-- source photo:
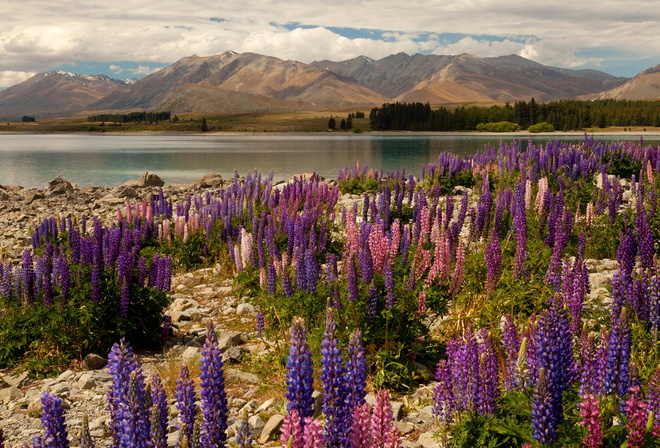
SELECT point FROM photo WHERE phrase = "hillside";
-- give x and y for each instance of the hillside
(55, 94)
(645, 86)
(465, 78)
(268, 80)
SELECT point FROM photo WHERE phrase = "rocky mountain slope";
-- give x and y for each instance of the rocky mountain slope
(237, 83)
(251, 78)
(645, 86)
(56, 94)
(461, 78)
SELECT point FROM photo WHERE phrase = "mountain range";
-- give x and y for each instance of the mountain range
(247, 82)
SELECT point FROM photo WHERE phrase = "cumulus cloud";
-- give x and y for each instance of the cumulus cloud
(10, 78)
(562, 33)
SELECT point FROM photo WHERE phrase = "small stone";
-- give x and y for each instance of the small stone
(245, 308)
(239, 375)
(257, 424)
(9, 394)
(236, 354)
(427, 440)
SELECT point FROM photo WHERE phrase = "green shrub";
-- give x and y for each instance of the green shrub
(541, 127)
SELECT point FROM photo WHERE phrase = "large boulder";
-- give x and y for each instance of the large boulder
(209, 181)
(59, 186)
(148, 179)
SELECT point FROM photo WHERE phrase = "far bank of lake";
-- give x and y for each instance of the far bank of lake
(32, 160)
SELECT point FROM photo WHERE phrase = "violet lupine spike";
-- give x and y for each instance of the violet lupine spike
(544, 415)
(299, 377)
(335, 392)
(243, 434)
(185, 403)
(212, 391)
(617, 368)
(356, 372)
(260, 322)
(443, 394)
(85, 437)
(488, 392)
(493, 258)
(372, 305)
(511, 342)
(653, 399)
(159, 413)
(520, 230)
(352, 280)
(52, 421)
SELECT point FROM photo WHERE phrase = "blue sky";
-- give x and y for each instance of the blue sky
(133, 38)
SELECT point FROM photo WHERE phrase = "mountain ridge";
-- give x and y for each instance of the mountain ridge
(234, 82)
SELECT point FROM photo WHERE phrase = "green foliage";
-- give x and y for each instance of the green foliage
(446, 182)
(501, 126)
(541, 127)
(46, 340)
(622, 165)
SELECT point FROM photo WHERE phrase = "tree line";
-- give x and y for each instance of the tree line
(132, 117)
(562, 115)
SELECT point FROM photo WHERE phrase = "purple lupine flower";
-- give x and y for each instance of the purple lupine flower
(544, 414)
(443, 394)
(185, 403)
(637, 413)
(352, 280)
(588, 367)
(356, 372)
(520, 230)
(212, 391)
(488, 376)
(261, 322)
(493, 256)
(27, 277)
(653, 400)
(361, 436)
(129, 419)
(299, 377)
(591, 420)
(372, 304)
(626, 252)
(335, 391)
(243, 434)
(159, 416)
(511, 343)
(617, 369)
(388, 274)
(272, 278)
(52, 420)
(85, 436)
(65, 279)
(555, 354)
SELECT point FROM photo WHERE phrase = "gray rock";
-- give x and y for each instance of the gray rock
(245, 308)
(9, 394)
(228, 339)
(125, 191)
(86, 382)
(33, 195)
(272, 425)
(427, 440)
(236, 354)
(94, 362)
(239, 375)
(257, 424)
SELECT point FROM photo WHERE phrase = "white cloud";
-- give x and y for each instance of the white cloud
(10, 78)
(116, 69)
(563, 33)
(143, 70)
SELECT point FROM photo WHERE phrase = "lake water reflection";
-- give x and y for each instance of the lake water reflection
(31, 160)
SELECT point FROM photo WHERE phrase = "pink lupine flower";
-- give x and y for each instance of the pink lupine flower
(395, 232)
(590, 413)
(459, 270)
(361, 436)
(313, 433)
(379, 247)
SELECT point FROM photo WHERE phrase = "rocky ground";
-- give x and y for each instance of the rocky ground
(197, 297)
